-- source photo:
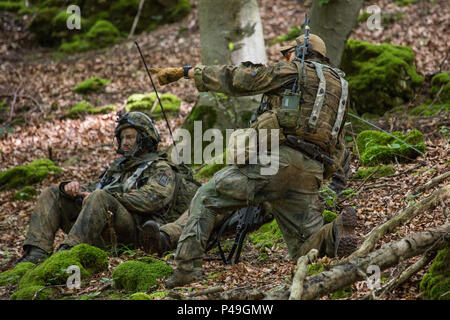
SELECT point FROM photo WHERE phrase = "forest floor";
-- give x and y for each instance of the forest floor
(84, 147)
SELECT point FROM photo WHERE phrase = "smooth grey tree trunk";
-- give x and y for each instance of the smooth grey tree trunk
(230, 33)
(334, 22)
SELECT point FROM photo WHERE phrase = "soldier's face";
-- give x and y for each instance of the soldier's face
(128, 140)
(289, 56)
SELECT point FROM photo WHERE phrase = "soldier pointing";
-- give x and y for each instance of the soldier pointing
(307, 101)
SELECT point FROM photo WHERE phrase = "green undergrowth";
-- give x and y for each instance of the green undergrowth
(93, 84)
(34, 172)
(380, 77)
(145, 103)
(83, 108)
(52, 271)
(435, 285)
(136, 276)
(377, 147)
(382, 171)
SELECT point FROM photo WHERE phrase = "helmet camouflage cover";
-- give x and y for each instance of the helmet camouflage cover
(148, 137)
(315, 42)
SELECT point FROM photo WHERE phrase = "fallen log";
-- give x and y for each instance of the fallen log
(389, 255)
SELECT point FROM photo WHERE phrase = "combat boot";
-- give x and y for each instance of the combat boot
(33, 254)
(180, 278)
(153, 240)
(346, 240)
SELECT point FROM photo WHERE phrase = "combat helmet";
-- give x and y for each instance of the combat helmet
(148, 137)
(315, 43)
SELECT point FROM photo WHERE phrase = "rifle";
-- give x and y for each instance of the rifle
(248, 219)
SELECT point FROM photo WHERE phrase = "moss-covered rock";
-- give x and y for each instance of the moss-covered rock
(383, 171)
(26, 193)
(145, 103)
(103, 33)
(380, 76)
(51, 17)
(11, 277)
(11, 6)
(435, 285)
(134, 276)
(377, 147)
(35, 171)
(85, 108)
(52, 271)
(93, 84)
(328, 216)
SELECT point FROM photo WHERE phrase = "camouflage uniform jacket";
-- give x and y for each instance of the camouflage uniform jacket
(151, 193)
(248, 79)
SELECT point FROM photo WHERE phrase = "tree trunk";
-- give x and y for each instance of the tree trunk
(230, 33)
(333, 22)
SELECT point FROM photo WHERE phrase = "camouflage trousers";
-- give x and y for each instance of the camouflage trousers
(102, 221)
(293, 194)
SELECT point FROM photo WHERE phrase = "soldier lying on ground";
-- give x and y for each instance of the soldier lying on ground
(142, 185)
(311, 133)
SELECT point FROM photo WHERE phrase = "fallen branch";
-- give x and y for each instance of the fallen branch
(389, 255)
(300, 273)
(408, 273)
(433, 182)
(400, 218)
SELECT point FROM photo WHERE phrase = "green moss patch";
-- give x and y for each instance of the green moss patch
(52, 271)
(267, 234)
(145, 103)
(90, 85)
(11, 277)
(342, 293)
(140, 296)
(85, 108)
(383, 171)
(328, 216)
(378, 147)
(134, 276)
(35, 171)
(26, 193)
(435, 285)
(380, 77)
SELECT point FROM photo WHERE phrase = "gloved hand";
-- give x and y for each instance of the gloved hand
(167, 75)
